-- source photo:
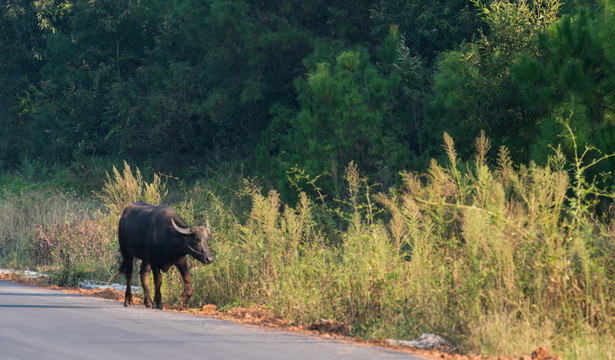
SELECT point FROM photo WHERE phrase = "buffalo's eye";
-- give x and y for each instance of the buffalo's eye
(198, 240)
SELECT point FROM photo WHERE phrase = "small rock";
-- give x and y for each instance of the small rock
(425, 341)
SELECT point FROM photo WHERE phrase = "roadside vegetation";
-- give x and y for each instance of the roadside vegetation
(498, 258)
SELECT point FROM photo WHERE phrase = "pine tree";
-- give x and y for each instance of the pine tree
(473, 88)
(572, 82)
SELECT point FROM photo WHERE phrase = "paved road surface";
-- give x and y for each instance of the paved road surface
(40, 323)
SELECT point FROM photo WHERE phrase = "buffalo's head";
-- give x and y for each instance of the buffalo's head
(196, 239)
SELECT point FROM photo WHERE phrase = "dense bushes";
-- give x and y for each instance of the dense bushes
(498, 258)
(178, 84)
(492, 257)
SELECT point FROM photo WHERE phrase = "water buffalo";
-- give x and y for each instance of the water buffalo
(161, 239)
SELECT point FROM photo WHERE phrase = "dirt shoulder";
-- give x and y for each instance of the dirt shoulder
(260, 316)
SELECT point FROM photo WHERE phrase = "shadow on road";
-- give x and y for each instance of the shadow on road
(46, 306)
(40, 295)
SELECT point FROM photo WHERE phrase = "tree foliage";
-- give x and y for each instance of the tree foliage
(429, 27)
(344, 116)
(307, 85)
(572, 82)
(473, 88)
(21, 51)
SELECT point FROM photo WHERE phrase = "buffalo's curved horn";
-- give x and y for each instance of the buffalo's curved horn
(208, 228)
(181, 230)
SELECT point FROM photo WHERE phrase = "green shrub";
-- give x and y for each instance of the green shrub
(497, 258)
(494, 258)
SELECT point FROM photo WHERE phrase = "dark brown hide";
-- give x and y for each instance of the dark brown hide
(161, 239)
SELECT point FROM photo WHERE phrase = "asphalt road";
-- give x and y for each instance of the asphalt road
(38, 323)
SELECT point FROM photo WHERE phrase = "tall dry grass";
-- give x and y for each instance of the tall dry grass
(67, 235)
(491, 256)
(498, 258)
(125, 188)
(52, 231)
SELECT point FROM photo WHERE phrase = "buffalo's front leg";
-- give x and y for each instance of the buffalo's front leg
(184, 270)
(145, 269)
(157, 284)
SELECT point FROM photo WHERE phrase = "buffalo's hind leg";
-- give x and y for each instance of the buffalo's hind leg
(157, 284)
(126, 268)
(184, 270)
(145, 269)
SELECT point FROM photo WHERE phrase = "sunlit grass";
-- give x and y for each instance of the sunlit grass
(492, 257)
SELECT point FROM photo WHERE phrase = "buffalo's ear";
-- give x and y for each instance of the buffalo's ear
(181, 230)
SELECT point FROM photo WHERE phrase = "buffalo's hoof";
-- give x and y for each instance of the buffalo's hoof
(148, 305)
(159, 306)
(127, 304)
(184, 299)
